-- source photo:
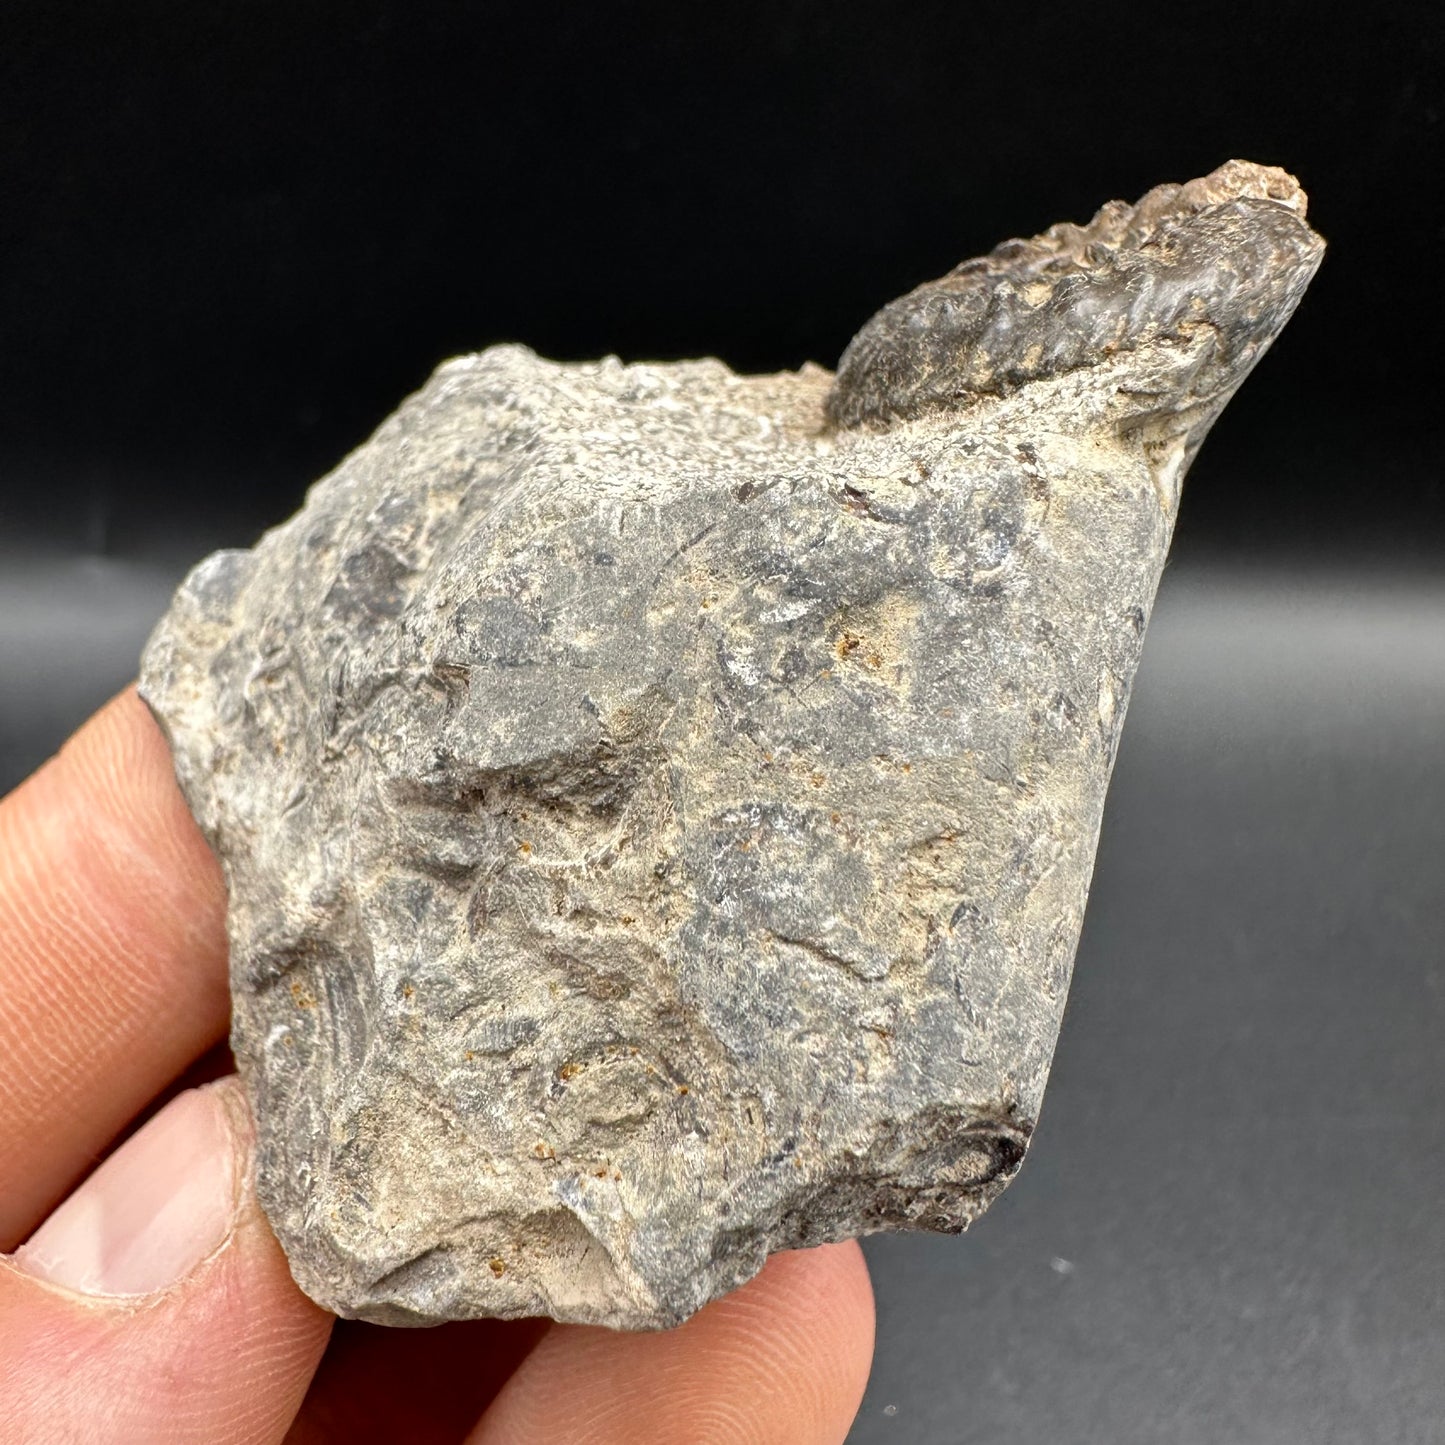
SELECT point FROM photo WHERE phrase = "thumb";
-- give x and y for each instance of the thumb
(155, 1305)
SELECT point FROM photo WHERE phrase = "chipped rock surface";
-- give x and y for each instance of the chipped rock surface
(658, 805)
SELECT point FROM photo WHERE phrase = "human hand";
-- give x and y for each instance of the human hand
(154, 1305)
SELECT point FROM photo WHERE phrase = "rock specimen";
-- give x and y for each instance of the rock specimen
(658, 804)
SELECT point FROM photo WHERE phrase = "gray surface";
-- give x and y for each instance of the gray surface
(657, 822)
(71, 630)
(1230, 1225)
(1257, 1010)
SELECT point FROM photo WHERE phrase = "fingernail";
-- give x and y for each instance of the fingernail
(152, 1212)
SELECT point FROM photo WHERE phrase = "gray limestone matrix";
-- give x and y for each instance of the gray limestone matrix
(658, 805)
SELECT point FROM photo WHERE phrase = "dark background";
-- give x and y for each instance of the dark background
(233, 236)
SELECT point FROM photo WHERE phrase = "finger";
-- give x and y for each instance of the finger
(783, 1361)
(451, 1374)
(155, 1305)
(112, 953)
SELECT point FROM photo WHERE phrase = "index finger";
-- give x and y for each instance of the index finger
(112, 953)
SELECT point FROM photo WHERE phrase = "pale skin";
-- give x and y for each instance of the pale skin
(147, 1301)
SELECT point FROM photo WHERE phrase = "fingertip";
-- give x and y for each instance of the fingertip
(112, 952)
(801, 1333)
(155, 1303)
(782, 1361)
(121, 757)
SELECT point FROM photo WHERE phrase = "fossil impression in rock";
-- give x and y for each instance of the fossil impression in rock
(658, 804)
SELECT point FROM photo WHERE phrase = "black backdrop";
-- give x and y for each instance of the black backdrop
(232, 236)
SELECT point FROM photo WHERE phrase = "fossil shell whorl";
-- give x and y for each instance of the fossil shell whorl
(1173, 299)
